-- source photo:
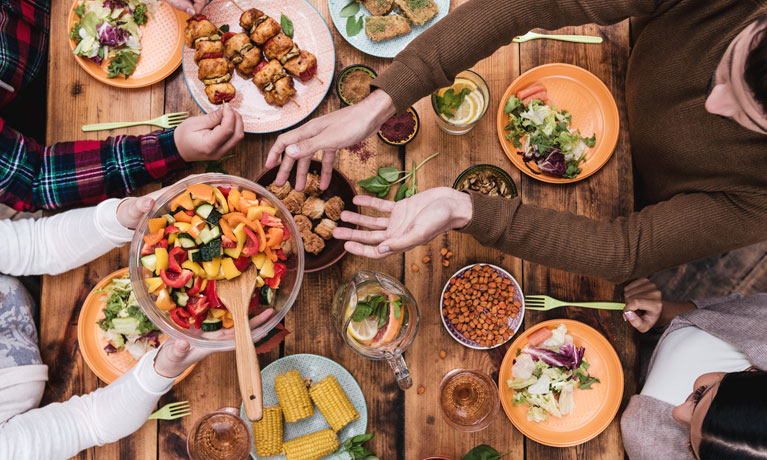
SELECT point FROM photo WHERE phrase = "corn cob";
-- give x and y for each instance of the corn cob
(312, 446)
(333, 403)
(293, 396)
(267, 432)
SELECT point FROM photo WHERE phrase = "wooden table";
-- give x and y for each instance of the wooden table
(407, 424)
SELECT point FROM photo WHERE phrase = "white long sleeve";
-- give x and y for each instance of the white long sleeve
(59, 243)
(61, 430)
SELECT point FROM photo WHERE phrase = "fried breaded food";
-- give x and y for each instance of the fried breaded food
(288, 248)
(280, 192)
(379, 28)
(312, 185)
(294, 201)
(208, 50)
(418, 12)
(325, 228)
(220, 92)
(334, 207)
(313, 243)
(313, 207)
(303, 223)
(378, 7)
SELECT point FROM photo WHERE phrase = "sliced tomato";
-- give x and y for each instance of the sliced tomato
(222, 97)
(212, 55)
(149, 248)
(176, 280)
(197, 306)
(251, 243)
(210, 295)
(176, 257)
(242, 263)
(196, 288)
(180, 317)
(279, 272)
(268, 220)
(227, 242)
(171, 229)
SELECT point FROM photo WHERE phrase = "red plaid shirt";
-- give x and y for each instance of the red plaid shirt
(65, 174)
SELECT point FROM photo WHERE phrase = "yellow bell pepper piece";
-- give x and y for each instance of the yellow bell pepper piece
(267, 271)
(153, 284)
(183, 226)
(194, 266)
(172, 238)
(162, 259)
(221, 200)
(196, 226)
(259, 260)
(203, 285)
(157, 224)
(227, 322)
(234, 253)
(164, 301)
(259, 282)
(233, 200)
(182, 201)
(212, 267)
(256, 212)
(220, 274)
(230, 271)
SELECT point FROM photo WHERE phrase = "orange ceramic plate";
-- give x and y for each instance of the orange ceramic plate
(589, 101)
(594, 409)
(107, 367)
(162, 44)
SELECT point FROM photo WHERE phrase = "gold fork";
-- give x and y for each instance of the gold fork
(172, 411)
(546, 303)
(169, 120)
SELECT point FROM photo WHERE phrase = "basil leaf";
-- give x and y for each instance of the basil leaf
(396, 306)
(351, 9)
(484, 452)
(400, 195)
(375, 184)
(348, 443)
(224, 28)
(410, 192)
(287, 25)
(389, 174)
(383, 193)
(361, 438)
(383, 315)
(353, 26)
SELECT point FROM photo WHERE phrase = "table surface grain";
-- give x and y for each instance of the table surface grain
(407, 424)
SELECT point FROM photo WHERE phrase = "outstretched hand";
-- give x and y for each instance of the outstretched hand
(327, 134)
(190, 7)
(412, 222)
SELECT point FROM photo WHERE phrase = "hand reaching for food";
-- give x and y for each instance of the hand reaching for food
(211, 136)
(190, 7)
(328, 134)
(412, 222)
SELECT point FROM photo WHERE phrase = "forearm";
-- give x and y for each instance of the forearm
(61, 430)
(55, 244)
(66, 174)
(682, 229)
(671, 310)
(432, 60)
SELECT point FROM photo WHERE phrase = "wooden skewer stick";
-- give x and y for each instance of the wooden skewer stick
(318, 79)
(238, 6)
(294, 101)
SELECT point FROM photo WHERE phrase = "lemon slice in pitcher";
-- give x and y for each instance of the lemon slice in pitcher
(468, 111)
(364, 331)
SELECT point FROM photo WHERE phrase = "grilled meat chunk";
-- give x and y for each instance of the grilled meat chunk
(303, 66)
(379, 28)
(418, 12)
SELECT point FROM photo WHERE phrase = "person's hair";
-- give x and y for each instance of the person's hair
(735, 427)
(755, 73)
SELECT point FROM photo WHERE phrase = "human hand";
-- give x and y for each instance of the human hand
(191, 7)
(642, 297)
(175, 356)
(328, 134)
(413, 221)
(211, 136)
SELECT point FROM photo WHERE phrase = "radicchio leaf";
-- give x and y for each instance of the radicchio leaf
(553, 163)
(112, 36)
(115, 4)
(569, 355)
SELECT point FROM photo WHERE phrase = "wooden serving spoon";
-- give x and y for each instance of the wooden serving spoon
(235, 294)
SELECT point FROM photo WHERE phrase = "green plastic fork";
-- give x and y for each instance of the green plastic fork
(169, 120)
(172, 411)
(546, 303)
(563, 38)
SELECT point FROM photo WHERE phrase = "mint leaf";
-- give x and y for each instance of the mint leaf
(389, 174)
(449, 102)
(354, 26)
(375, 184)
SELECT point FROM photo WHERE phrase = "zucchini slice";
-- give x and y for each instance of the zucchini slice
(204, 210)
(149, 262)
(210, 325)
(266, 295)
(194, 255)
(180, 297)
(186, 240)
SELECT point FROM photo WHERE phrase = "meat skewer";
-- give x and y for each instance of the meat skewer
(214, 70)
(242, 52)
(270, 77)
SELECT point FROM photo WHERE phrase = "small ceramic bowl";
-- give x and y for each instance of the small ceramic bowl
(339, 186)
(513, 322)
(495, 170)
(412, 135)
(346, 71)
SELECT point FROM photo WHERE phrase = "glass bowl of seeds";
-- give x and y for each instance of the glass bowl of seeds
(487, 179)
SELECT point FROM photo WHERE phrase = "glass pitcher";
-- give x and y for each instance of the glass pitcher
(378, 318)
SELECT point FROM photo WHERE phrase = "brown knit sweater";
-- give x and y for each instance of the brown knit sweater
(706, 176)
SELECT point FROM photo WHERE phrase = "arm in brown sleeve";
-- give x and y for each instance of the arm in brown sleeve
(477, 28)
(685, 228)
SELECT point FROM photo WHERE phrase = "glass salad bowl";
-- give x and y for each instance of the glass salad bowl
(284, 296)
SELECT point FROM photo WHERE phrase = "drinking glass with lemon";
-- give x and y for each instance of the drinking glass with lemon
(459, 107)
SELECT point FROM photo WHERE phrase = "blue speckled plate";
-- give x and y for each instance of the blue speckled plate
(386, 48)
(316, 368)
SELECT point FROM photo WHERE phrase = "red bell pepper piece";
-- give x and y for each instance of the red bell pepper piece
(259, 67)
(176, 280)
(252, 244)
(227, 242)
(255, 305)
(225, 191)
(226, 37)
(171, 229)
(279, 271)
(210, 295)
(180, 317)
(197, 306)
(196, 288)
(176, 257)
(242, 263)
(149, 248)
(280, 254)
(268, 220)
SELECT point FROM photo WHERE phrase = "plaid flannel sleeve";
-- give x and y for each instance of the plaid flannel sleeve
(83, 172)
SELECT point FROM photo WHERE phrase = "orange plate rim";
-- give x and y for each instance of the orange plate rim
(609, 410)
(586, 78)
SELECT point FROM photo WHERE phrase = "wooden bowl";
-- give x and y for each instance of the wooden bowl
(339, 186)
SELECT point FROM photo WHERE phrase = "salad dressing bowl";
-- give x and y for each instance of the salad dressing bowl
(283, 300)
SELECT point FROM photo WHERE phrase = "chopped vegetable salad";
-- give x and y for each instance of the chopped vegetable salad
(547, 372)
(212, 233)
